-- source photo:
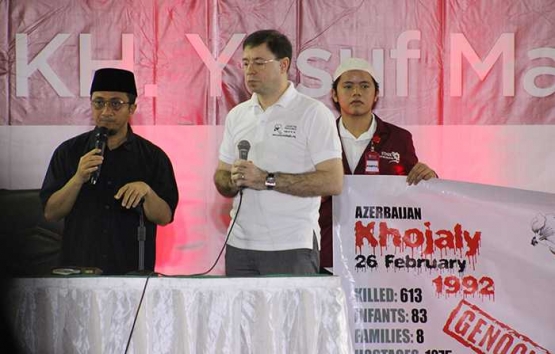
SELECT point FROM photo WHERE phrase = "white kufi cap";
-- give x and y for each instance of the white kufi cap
(353, 64)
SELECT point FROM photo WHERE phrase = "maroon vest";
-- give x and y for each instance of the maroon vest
(397, 157)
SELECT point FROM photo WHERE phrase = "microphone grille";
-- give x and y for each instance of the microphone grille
(102, 133)
(244, 145)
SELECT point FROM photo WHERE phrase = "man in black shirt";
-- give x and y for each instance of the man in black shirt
(101, 219)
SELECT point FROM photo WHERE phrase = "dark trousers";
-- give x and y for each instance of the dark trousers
(243, 263)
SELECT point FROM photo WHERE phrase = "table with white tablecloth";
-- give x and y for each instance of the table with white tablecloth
(180, 315)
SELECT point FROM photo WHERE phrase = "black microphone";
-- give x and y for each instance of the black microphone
(101, 138)
(244, 147)
(139, 208)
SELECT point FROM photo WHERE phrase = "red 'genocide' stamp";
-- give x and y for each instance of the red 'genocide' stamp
(477, 330)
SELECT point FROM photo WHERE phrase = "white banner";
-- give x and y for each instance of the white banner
(446, 267)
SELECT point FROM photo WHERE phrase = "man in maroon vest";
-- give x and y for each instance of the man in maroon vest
(370, 145)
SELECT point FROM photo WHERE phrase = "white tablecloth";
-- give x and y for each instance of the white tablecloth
(181, 315)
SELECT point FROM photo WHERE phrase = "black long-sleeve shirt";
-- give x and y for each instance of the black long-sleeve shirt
(98, 232)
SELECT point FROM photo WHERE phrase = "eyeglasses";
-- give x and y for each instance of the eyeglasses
(114, 105)
(258, 63)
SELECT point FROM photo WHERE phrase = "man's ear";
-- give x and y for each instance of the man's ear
(334, 96)
(376, 98)
(284, 64)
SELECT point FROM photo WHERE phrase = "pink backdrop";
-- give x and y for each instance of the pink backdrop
(439, 62)
(473, 81)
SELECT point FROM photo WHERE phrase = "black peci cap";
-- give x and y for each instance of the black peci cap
(110, 79)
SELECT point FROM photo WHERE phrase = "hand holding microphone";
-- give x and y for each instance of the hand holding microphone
(90, 162)
(101, 137)
(239, 167)
(245, 173)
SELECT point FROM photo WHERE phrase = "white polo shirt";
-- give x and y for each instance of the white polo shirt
(291, 136)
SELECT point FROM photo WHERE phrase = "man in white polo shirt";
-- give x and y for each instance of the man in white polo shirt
(293, 160)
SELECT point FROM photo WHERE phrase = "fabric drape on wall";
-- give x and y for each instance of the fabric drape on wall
(185, 55)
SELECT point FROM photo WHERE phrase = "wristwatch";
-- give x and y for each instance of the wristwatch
(270, 182)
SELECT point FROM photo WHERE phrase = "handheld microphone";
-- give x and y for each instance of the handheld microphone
(139, 208)
(101, 138)
(244, 146)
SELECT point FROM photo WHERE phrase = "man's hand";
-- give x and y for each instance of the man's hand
(88, 163)
(246, 174)
(132, 193)
(61, 202)
(420, 172)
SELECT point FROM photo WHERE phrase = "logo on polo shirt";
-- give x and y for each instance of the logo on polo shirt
(287, 131)
(393, 156)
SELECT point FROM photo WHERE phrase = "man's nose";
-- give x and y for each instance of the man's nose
(250, 68)
(107, 108)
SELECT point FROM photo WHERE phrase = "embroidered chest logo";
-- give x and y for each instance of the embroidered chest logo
(285, 131)
(393, 156)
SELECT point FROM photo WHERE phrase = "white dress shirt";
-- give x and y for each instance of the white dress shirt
(354, 147)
